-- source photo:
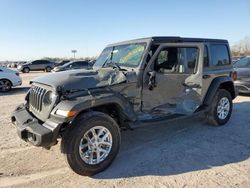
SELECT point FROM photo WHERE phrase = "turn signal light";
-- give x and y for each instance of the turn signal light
(234, 75)
(66, 113)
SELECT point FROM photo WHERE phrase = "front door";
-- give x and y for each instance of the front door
(172, 81)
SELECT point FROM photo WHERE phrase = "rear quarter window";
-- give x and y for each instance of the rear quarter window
(220, 55)
(44, 62)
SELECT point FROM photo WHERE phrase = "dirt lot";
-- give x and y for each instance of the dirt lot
(189, 153)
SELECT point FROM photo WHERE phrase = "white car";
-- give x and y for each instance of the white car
(8, 79)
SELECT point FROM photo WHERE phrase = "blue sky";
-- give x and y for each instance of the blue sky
(31, 29)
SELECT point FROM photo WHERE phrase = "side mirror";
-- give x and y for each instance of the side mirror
(152, 82)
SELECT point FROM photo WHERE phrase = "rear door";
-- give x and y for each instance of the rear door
(177, 70)
(34, 65)
(43, 64)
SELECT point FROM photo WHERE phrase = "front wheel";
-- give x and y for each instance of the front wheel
(26, 70)
(5, 85)
(92, 143)
(221, 108)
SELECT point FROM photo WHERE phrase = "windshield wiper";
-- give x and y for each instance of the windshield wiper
(110, 56)
(115, 65)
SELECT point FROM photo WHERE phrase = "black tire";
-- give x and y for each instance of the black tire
(26, 70)
(72, 139)
(5, 85)
(48, 69)
(213, 116)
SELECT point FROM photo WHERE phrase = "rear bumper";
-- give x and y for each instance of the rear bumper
(31, 130)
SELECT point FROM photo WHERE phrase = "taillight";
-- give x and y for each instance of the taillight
(17, 73)
(234, 75)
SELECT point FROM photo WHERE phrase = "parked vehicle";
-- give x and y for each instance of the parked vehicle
(72, 65)
(36, 65)
(92, 62)
(8, 79)
(61, 63)
(13, 65)
(237, 58)
(21, 63)
(242, 67)
(139, 82)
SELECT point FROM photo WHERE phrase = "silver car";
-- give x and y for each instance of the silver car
(36, 65)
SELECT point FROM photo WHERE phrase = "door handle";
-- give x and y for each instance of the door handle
(206, 76)
(191, 85)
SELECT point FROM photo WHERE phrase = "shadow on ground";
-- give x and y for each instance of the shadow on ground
(182, 147)
(15, 91)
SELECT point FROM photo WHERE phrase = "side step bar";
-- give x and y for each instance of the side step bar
(167, 119)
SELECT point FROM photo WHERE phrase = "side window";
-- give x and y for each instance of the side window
(78, 64)
(243, 63)
(163, 57)
(44, 62)
(206, 59)
(220, 55)
(41, 62)
(248, 63)
(35, 62)
(177, 60)
(72, 65)
(83, 63)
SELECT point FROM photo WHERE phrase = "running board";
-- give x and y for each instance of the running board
(167, 119)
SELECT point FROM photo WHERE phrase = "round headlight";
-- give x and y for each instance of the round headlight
(48, 98)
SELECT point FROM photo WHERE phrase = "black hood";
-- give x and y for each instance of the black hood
(83, 79)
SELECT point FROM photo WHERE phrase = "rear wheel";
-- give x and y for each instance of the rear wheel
(26, 70)
(48, 69)
(5, 85)
(221, 108)
(92, 143)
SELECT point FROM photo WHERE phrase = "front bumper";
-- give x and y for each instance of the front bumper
(31, 130)
(17, 83)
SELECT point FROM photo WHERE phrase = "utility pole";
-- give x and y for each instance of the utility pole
(74, 52)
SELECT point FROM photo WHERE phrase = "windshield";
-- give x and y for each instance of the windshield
(67, 64)
(124, 55)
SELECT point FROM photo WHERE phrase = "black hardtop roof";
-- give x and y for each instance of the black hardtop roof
(184, 39)
(170, 39)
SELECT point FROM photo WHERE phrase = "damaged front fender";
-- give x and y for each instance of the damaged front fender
(95, 99)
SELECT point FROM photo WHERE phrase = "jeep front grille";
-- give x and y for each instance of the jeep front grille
(36, 98)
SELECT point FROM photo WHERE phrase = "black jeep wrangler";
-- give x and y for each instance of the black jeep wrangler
(132, 83)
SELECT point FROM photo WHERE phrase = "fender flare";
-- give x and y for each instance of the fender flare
(215, 85)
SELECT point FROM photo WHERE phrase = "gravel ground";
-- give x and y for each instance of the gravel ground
(186, 153)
